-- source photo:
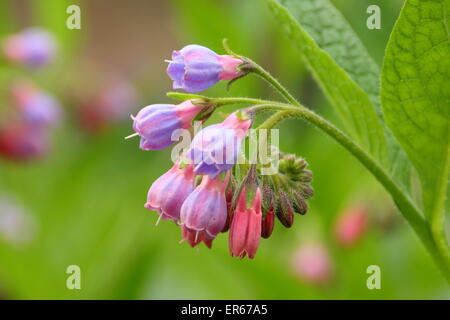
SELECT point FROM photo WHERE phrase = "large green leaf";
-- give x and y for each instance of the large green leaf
(416, 92)
(326, 25)
(333, 33)
(344, 93)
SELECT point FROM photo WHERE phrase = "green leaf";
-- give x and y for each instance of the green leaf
(351, 102)
(329, 29)
(416, 92)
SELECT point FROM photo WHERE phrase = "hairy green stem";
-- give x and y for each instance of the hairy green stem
(437, 217)
(251, 66)
(219, 101)
(256, 69)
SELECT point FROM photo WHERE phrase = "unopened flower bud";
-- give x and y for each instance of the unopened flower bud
(245, 230)
(229, 194)
(299, 202)
(268, 223)
(285, 210)
(306, 189)
(294, 168)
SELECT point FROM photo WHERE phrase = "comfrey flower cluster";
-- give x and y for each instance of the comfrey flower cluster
(25, 127)
(208, 190)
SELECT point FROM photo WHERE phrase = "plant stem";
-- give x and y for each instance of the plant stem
(406, 206)
(437, 217)
(220, 101)
(251, 66)
(257, 69)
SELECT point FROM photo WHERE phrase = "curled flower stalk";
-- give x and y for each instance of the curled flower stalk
(239, 197)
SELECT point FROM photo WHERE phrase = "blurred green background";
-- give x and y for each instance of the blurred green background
(86, 196)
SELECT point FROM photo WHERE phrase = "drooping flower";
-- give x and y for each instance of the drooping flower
(168, 192)
(313, 264)
(215, 149)
(156, 123)
(245, 230)
(33, 47)
(194, 238)
(196, 68)
(205, 209)
(36, 107)
(351, 226)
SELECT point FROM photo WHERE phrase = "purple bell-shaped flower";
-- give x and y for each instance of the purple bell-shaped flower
(196, 68)
(156, 123)
(205, 209)
(215, 149)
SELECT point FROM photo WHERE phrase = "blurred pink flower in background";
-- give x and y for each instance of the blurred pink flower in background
(33, 47)
(110, 105)
(26, 126)
(350, 226)
(35, 107)
(17, 226)
(313, 264)
(21, 143)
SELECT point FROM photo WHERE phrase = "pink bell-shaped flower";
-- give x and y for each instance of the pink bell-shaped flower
(205, 209)
(168, 192)
(245, 230)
